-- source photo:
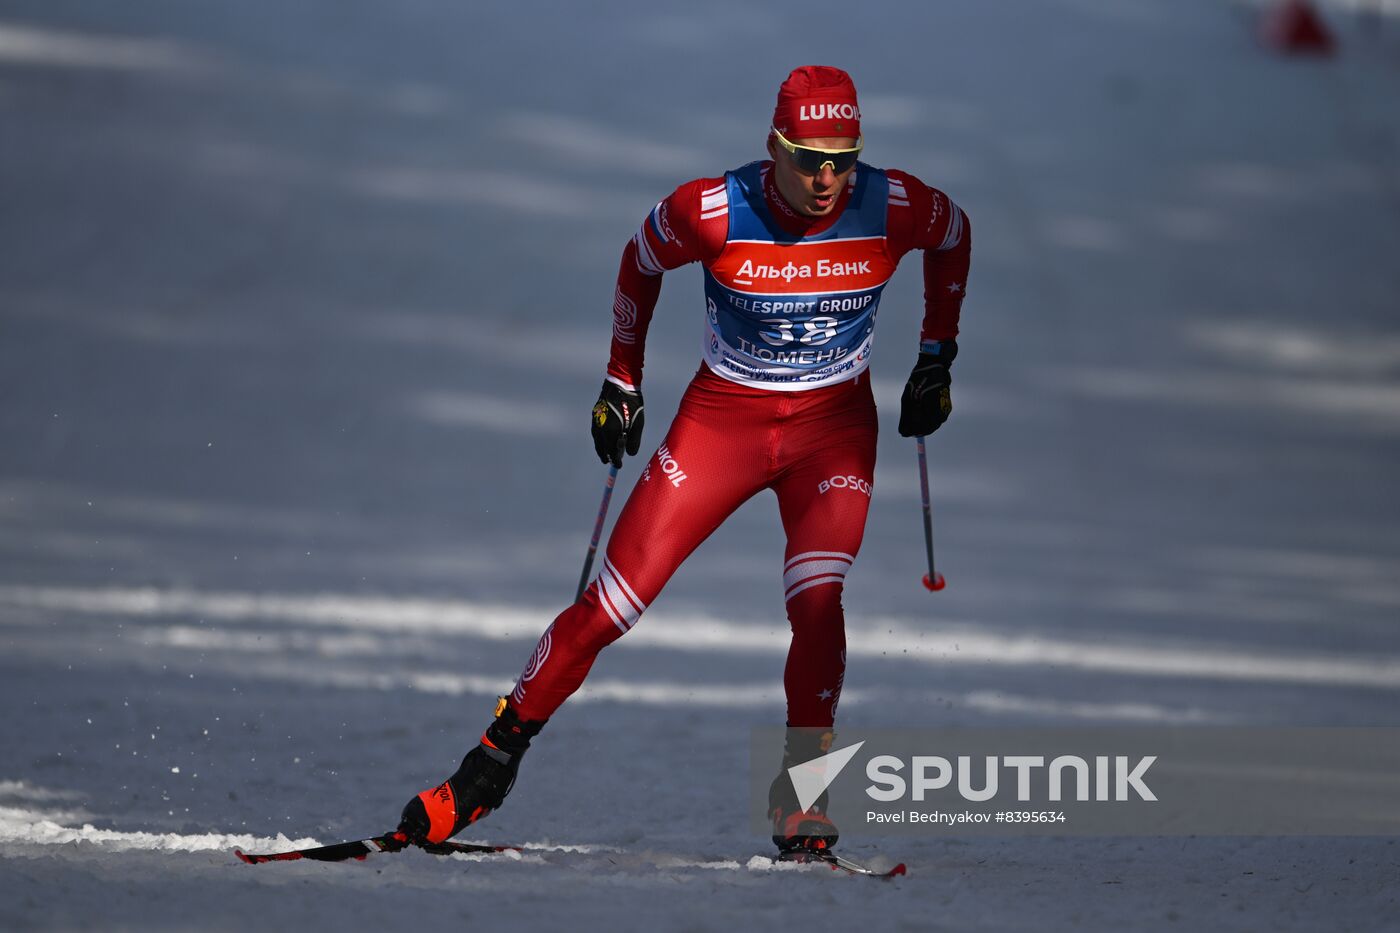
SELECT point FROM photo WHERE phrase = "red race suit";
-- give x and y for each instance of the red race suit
(782, 401)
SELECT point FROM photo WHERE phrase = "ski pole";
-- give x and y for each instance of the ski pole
(597, 531)
(933, 580)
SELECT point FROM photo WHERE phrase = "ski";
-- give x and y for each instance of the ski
(841, 863)
(359, 849)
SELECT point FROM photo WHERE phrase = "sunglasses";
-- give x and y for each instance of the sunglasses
(811, 161)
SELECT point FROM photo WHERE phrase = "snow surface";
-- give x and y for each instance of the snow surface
(302, 308)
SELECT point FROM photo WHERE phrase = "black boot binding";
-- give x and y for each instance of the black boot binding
(795, 829)
(479, 785)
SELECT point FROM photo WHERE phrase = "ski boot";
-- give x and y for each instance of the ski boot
(796, 830)
(479, 785)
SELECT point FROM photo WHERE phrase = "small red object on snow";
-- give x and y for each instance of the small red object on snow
(1294, 27)
(936, 584)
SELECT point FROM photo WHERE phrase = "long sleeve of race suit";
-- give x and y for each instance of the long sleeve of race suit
(678, 230)
(925, 218)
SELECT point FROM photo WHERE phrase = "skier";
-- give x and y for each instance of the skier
(796, 252)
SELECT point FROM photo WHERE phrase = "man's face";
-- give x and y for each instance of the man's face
(808, 194)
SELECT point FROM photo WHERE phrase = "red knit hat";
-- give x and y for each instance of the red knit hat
(815, 101)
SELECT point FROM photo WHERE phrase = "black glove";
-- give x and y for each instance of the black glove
(618, 417)
(926, 402)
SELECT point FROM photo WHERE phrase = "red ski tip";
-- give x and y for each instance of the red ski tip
(936, 584)
(896, 871)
